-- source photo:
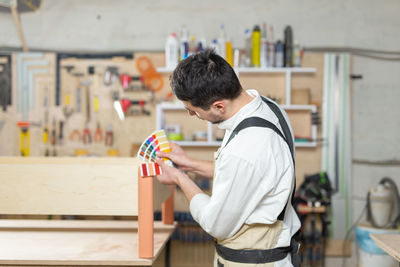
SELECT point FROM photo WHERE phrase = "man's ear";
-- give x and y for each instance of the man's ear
(219, 105)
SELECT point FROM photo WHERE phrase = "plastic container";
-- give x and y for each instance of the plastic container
(222, 41)
(214, 45)
(381, 203)
(255, 49)
(370, 255)
(288, 47)
(270, 47)
(279, 56)
(229, 52)
(172, 51)
(296, 55)
(184, 43)
(245, 58)
(264, 47)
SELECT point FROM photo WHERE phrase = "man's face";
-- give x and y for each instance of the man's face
(212, 115)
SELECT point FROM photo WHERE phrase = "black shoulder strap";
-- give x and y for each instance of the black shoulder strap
(287, 136)
(283, 123)
(254, 122)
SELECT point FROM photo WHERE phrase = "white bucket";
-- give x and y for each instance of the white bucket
(369, 254)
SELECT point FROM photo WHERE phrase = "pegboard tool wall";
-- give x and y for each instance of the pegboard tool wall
(77, 105)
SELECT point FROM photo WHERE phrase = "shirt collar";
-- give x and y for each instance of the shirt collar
(244, 112)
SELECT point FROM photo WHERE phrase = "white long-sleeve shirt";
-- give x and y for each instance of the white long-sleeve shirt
(253, 179)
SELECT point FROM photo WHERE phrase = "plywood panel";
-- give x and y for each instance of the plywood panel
(268, 84)
(301, 122)
(70, 186)
(76, 243)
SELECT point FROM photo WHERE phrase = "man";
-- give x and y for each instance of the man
(249, 210)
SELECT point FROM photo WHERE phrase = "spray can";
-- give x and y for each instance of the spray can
(201, 46)
(184, 43)
(222, 41)
(288, 46)
(229, 52)
(296, 55)
(236, 58)
(192, 46)
(264, 47)
(279, 56)
(172, 51)
(245, 58)
(271, 48)
(255, 50)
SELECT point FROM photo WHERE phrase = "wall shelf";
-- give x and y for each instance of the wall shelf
(160, 124)
(257, 70)
(286, 71)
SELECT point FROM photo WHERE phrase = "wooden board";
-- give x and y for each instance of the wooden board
(389, 243)
(76, 242)
(301, 122)
(70, 186)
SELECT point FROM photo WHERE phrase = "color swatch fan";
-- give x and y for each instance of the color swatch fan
(157, 141)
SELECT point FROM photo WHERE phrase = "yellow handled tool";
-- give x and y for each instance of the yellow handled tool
(24, 138)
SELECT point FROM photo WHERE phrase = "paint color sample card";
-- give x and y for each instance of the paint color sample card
(150, 169)
(157, 141)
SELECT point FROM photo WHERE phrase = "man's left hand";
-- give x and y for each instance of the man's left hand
(170, 174)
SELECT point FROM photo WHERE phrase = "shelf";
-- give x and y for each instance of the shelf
(170, 106)
(198, 143)
(177, 106)
(257, 70)
(275, 70)
(312, 108)
(218, 143)
(305, 144)
(308, 209)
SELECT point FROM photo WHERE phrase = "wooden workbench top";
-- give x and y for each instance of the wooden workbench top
(389, 243)
(62, 242)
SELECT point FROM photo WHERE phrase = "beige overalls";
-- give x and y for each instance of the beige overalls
(254, 236)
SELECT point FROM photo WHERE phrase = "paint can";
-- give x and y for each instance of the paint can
(369, 254)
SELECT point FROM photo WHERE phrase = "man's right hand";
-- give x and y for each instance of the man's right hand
(178, 156)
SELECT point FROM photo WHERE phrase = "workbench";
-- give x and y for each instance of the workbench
(389, 243)
(60, 242)
(84, 187)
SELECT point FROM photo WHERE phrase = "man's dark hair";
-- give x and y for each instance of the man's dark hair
(204, 78)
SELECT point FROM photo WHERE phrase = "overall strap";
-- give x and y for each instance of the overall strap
(282, 121)
(286, 136)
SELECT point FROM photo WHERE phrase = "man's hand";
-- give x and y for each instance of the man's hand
(178, 156)
(170, 174)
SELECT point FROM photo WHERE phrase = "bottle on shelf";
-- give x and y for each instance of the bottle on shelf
(201, 45)
(245, 58)
(192, 46)
(222, 41)
(255, 50)
(288, 47)
(236, 58)
(229, 52)
(279, 56)
(184, 43)
(264, 47)
(270, 47)
(214, 45)
(296, 55)
(172, 51)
